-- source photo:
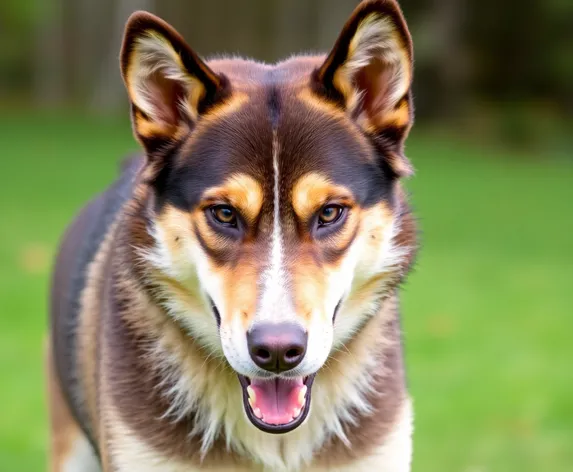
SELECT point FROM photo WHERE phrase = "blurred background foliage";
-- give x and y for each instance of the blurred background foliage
(501, 69)
(488, 310)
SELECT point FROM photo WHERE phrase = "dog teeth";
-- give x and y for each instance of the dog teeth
(295, 413)
(252, 393)
(258, 413)
(252, 403)
(302, 395)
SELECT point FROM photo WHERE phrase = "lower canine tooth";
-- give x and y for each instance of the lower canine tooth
(252, 393)
(252, 403)
(295, 413)
(302, 394)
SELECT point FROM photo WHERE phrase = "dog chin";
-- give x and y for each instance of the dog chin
(277, 405)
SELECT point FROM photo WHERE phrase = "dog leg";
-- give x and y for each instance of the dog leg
(70, 451)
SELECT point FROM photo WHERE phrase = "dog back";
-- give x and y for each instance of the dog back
(78, 249)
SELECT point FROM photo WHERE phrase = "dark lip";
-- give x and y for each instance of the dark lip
(336, 310)
(216, 313)
(276, 429)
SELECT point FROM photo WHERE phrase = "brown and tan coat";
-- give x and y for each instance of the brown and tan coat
(255, 250)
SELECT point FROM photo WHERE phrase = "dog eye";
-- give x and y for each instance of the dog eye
(330, 214)
(224, 215)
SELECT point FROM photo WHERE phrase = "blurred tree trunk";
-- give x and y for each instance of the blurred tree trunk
(331, 19)
(206, 29)
(49, 64)
(451, 58)
(295, 26)
(245, 24)
(109, 93)
(92, 24)
(441, 59)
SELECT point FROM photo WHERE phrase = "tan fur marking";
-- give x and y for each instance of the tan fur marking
(212, 238)
(311, 99)
(313, 190)
(150, 129)
(63, 427)
(309, 283)
(176, 224)
(196, 93)
(88, 319)
(375, 221)
(215, 114)
(230, 105)
(177, 227)
(243, 192)
(345, 235)
(68, 447)
(375, 234)
(241, 292)
(399, 117)
(344, 84)
(238, 283)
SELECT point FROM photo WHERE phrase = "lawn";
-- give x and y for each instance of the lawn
(488, 312)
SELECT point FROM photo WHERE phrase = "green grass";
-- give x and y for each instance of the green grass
(488, 312)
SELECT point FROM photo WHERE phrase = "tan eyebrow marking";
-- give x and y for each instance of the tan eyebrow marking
(242, 192)
(314, 190)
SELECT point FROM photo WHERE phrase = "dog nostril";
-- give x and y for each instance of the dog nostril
(277, 347)
(263, 355)
(293, 354)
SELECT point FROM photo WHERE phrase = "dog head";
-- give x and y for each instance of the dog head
(274, 206)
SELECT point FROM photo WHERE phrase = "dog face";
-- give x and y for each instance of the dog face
(273, 202)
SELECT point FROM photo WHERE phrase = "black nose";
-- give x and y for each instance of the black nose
(277, 347)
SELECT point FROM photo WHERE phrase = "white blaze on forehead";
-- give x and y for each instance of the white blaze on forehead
(275, 303)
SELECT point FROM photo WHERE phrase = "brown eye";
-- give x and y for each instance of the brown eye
(329, 214)
(224, 215)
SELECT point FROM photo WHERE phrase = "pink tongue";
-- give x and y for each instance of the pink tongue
(278, 399)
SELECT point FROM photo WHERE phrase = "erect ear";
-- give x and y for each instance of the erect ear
(169, 86)
(369, 73)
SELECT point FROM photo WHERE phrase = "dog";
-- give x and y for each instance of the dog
(231, 301)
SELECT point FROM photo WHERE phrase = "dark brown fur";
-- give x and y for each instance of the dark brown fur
(107, 311)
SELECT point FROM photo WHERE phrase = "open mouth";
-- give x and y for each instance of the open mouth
(277, 405)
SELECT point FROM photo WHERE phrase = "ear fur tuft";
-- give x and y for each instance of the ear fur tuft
(376, 39)
(154, 56)
(369, 73)
(169, 86)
